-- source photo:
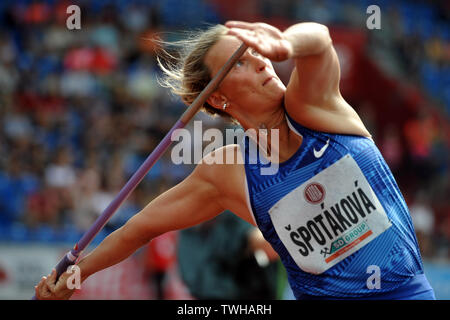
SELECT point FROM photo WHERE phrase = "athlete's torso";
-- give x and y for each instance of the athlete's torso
(335, 215)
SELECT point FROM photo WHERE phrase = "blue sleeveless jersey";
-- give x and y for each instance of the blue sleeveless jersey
(395, 251)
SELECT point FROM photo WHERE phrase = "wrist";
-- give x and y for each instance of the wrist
(84, 270)
(287, 43)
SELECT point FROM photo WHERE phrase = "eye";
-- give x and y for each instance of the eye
(239, 63)
(255, 53)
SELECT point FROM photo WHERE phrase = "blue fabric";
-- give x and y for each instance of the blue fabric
(417, 288)
(395, 251)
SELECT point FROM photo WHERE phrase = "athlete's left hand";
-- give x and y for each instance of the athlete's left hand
(264, 38)
(51, 288)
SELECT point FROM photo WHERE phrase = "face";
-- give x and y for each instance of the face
(252, 83)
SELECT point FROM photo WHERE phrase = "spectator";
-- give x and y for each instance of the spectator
(392, 147)
(15, 186)
(423, 219)
(84, 191)
(160, 258)
(60, 178)
(43, 208)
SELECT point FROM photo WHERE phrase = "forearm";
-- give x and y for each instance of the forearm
(115, 248)
(186, 204)
(307, 38)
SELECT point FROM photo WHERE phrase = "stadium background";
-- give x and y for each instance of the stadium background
(81, 109)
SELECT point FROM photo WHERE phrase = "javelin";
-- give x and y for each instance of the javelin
(71, 256)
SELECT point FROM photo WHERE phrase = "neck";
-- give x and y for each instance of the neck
(285, 145)
(272, 126)
(266, 121)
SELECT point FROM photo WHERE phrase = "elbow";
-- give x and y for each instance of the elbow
(309, 38)
(320, 36)
(324, 40)
(317, 28)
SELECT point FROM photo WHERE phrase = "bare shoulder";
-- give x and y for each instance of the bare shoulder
(223, 168)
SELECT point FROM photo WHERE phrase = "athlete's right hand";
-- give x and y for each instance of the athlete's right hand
(50, 289)
(268, 40)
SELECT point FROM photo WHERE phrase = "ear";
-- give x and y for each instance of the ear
(216, 100)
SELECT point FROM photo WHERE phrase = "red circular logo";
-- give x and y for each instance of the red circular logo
(314, 193)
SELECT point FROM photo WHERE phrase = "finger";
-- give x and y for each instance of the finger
(53, 275)
(240, 24)
(61, 284)
(254, 26)
(253, 37)
(39, 285)
(246, 36)
(50, 282)
(241, 31)
(269, 28)
(43, 291)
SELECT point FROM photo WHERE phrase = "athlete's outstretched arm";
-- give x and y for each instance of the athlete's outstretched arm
(188, 203)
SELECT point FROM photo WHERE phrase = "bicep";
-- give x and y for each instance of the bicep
(190, 202)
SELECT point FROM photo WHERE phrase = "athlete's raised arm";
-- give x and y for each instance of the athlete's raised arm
(312, 96)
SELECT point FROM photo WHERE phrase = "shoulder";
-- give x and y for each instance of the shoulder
(228, 155)
(223, 169)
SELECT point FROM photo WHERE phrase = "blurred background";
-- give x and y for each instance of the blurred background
(80, 110)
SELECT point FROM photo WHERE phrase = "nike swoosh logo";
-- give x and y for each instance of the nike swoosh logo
(319, 153)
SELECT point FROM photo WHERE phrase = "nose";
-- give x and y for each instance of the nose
(261, 67)
(260, 64)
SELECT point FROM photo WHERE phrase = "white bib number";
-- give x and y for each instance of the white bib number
(329, 217)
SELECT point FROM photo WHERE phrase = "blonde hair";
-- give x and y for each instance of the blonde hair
(186, 75)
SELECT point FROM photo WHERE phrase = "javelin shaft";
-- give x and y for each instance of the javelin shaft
(71, 256)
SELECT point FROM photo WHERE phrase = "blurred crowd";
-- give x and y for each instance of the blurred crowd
(80, 110)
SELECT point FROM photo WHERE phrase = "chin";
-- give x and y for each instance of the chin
(281, 86)
(282, 92)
